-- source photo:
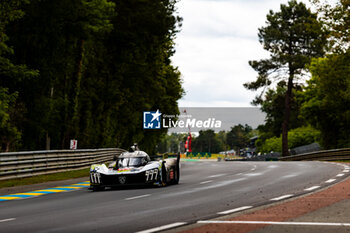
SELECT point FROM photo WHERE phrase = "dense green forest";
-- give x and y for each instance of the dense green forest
(85, 70)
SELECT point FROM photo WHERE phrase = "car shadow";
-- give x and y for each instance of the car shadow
(126, 187)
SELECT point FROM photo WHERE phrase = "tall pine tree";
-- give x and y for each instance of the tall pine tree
(292, 36)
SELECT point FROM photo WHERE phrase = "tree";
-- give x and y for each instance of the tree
(140, 47)
(292, 36)
(327, 100)
(8, 130)
(327, 94)
(297, 137)
(222, 138)
(336, 18)
(273, 106)
(206, 142)
(172, 143)
(102, 63)
(10, 112)
(238, 137)
(55, 38)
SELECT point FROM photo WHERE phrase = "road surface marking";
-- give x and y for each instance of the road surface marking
(7, 220)
(30, 194)
(137, 197)
(346, 170)
(50, 190)
(281, 197)
(8, 197)
(339, 175)
(279, 223)
(330, 180)
(217, 175)
(290, 176)
(206, 182)
(253, 174)
(63, 188)
(312, 188)
(70, 187)
(235, 210)
(40, 192)
(165, 227)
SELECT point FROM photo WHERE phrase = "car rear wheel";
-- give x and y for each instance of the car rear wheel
(164, 179)
(177, 175)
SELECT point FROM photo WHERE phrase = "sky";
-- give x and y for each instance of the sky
(216, 41)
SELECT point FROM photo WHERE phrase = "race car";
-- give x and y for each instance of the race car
(135, 168)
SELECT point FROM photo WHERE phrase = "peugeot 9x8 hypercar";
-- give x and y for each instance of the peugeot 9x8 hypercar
(135, 168)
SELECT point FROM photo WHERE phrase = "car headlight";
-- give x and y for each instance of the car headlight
(95, 177)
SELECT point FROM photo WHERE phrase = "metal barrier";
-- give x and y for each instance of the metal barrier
(26, 164)
(325, 155)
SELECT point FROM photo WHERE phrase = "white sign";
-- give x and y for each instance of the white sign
(73, 144)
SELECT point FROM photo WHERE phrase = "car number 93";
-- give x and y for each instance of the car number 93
(151, 174)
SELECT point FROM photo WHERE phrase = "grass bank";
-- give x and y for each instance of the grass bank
(45, 178)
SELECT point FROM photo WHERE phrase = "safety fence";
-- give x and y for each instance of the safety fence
(26, 164)
(325, 155)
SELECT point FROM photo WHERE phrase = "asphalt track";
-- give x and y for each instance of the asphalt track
(206, 190)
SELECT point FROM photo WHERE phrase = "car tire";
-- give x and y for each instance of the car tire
(164, 180)
(177, 175)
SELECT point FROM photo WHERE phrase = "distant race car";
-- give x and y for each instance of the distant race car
(135, 168)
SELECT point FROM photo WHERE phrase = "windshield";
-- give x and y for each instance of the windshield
(131, 162)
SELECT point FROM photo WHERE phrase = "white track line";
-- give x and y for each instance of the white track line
(161, 228)
(280, 223)
(235, 210)
(312, 188)
(137, 197)
(7, 220)
(281, 197)
(206, 182)
(254, 168)
(217, 175)
(339, 175)
(330, 180)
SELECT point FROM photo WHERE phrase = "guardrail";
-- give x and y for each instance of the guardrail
(26, 164)
(325, 155)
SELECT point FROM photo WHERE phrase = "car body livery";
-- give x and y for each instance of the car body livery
(135, 168)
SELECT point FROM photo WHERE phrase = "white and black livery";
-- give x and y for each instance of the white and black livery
(135, 168)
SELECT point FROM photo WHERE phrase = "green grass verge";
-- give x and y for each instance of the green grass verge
(45, 178)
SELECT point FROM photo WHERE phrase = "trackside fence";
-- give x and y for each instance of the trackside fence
(26, 164)
(325, 155)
